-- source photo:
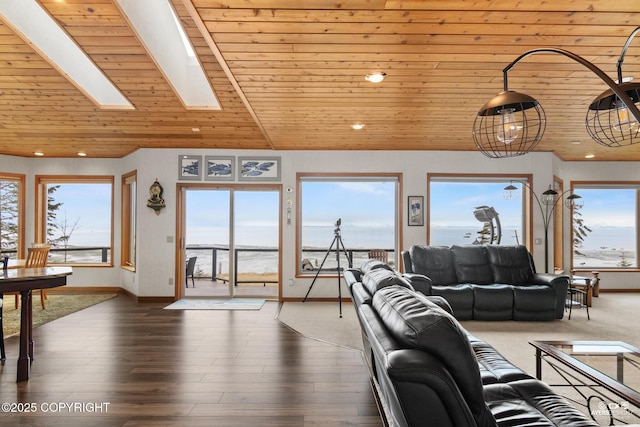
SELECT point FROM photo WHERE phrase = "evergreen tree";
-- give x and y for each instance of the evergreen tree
(52, 212)
(624, 262)
(580, 230)
(9, 214)
(485, 235)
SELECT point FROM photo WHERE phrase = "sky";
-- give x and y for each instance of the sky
(90, 205)
(362, 204)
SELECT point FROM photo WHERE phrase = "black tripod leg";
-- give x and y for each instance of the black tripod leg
(339, 272)
(320, 268)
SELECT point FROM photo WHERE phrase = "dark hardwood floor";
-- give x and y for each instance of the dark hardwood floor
(149, 366)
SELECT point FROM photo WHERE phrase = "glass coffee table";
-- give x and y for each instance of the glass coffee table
(602, 376)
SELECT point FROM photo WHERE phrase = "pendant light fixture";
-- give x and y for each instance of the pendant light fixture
(512, 123)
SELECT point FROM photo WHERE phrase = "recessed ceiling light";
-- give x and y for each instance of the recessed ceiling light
(82, 154)
(38, 153)
(33, 24)
(195, 129)
(589, 156)
(357, 126)
(375, 77)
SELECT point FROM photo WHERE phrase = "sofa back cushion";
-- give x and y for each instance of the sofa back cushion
(380, 278)
(415, 322)
(510, 264)
(472, 264)
(435, 262)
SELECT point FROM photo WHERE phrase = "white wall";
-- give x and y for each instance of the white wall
(156, 251)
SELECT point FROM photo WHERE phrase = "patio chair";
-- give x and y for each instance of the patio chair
(191, 266)
(379, 254)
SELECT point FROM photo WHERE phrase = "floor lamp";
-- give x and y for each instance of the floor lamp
(547, 203)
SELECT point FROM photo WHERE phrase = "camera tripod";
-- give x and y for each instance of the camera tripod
(337, 241)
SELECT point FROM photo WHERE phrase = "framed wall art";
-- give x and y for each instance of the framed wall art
(219, 168)
(258, 168)
(190, 167)
(416, 210)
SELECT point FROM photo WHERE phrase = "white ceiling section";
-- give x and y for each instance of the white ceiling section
(163, 37)
(39, 30)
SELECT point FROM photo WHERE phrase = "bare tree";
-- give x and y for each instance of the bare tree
(66, 229)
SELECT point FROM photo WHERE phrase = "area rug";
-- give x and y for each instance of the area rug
(322, 321)
(57, 305)
(216, 304)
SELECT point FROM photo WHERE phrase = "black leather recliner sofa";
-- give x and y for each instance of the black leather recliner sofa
(429, 371)
(487, 282)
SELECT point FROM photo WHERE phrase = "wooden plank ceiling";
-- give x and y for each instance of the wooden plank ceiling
(290, 75)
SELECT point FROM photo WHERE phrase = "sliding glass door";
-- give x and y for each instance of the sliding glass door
(233, 231)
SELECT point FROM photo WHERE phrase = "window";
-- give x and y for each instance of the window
(362, 210)
(129, 198)
(11, 214)
(75, 216)
(472, 209)
(605, 228)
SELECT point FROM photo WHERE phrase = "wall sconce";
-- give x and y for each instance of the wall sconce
(156, 202)
(512, 123)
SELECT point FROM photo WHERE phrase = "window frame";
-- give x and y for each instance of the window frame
(21, 180)
(527, 198)
(603, 185)
(128, 224)
(41, 183)
(342, 177)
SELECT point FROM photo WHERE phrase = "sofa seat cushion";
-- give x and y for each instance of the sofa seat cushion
(380, 278)
(530, 402)
(435, 262)
(459, 297)
(494, 368)
(417, 323)
(492, 302)
(534, 302)
(510, 264)
(472, 264)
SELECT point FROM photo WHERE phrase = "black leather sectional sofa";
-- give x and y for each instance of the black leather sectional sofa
(487, 282)
(429, 371)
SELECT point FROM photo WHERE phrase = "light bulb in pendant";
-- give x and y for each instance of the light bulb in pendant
(507, 128)
(624, 122)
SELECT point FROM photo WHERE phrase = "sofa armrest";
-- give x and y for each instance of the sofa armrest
(352, 275)
(559, 283)
(422, 392)
(420, 282)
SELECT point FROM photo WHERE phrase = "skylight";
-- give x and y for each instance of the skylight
(160, 31)
(34, 25)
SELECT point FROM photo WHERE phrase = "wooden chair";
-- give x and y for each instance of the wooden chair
(191, 266)
(379, 254)
(37, 256)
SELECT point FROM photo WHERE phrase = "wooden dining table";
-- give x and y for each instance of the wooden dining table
(24, 281)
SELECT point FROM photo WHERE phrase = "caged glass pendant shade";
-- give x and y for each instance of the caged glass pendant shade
(509, 125)
(609, 121)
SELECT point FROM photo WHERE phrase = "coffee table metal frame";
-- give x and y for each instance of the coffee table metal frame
(581, 377)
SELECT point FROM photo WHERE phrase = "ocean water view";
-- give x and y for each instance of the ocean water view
(603, 247)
